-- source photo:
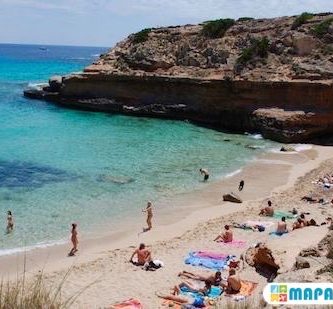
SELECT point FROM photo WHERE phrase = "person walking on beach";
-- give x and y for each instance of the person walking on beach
(241, 185)
(149, 211)
(205, 173)
(74, 240)
(10, 222)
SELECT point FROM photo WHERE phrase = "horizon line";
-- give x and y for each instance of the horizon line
(50, 44)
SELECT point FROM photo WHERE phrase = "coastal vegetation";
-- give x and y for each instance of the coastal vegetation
(322, 28)
(217, 28)
(301, 19)
(141, 36)
(245, 18)
(258, 48)
(36, 293)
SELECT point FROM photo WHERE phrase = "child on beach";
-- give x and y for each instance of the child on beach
(149, 211)
(74, 240)
(10, 222)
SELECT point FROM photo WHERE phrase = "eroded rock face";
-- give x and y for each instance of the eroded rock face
(179, 73)
(301, 263)
(304, 44)
(312, 251)
(262, 259)
(232, 197)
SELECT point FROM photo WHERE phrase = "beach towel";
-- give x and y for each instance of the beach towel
(127, 304)
(266, 224)
(247, 288)
(234, 243)
(215, 292)
(211, 255)
(205, 260)
(280, 214)
(277, 234)
(171, 304)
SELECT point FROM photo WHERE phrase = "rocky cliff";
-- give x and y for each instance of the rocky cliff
(273, 76)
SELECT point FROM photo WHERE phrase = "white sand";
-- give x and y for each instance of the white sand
(197, 218)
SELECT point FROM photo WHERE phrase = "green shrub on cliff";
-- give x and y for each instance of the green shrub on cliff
(257, 48)
(245, 18)
(217, 28)
(141, 36)
(322, 28)
(300, 20)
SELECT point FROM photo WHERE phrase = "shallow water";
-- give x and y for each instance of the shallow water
(58, 165)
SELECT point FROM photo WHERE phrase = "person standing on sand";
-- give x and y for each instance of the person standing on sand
(149, 211)
(241, 185)
(205, 173)
(74, 240)
(10, 222)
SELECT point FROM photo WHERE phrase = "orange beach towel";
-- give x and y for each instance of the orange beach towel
(247, 288)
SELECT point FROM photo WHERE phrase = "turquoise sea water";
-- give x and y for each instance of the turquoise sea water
(58, 166)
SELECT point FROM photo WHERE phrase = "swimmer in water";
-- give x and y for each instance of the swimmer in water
(10, 222)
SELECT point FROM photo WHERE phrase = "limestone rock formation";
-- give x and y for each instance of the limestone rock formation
(257, 75)
(301, 263)
(232, 197)
(263, 260)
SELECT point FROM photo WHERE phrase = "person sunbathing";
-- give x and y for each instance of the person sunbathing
(268, 210)
(192, 288)
(233, 284)
(215, 279)
(282, 227)
(197, 302)
(143, 256)
(226, 236)
(246, 226)
(298, 224)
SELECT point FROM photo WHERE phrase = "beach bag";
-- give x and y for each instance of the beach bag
(261, 228)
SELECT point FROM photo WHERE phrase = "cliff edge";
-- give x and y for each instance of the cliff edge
(273, 76)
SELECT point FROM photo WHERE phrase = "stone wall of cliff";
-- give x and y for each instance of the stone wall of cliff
(284, 111)
(273, 76)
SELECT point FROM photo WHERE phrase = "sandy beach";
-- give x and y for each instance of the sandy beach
(196, 218)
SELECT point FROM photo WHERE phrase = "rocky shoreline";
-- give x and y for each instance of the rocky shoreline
(266, 76)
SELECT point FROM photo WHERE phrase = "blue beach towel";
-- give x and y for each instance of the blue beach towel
(279, 214)
(277, 234)
(215, 292)
(216, 264)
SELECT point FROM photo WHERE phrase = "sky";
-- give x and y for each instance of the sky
(104, 22)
